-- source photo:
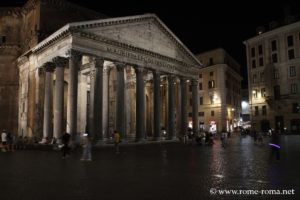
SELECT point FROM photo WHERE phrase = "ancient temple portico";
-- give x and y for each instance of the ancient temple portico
(128, 74)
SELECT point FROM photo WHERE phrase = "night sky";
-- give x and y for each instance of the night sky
(201, 25)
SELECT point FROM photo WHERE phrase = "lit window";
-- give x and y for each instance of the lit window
(263, 92)
(254, 92)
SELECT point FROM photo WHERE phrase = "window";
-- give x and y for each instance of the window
(211, 73)
(254, 78)
(262, 77)
(261, 61)
(200, 86)
(201, 114)
(290, 41)
(212, 113)
(274, 58)
(274, 45)
(276, 74)
(291, 54)
(260, 50)
(294, 88)
(201, 100)
(3, 40)
(190, 88)
(211, 84)
(256, 110)
(277, 92)
(263, 92)
(253, 64)
(296, 108)
(254, 92)
(252, 52)
(264, 110)
(211, 61)
(292, 71)
(200, 75)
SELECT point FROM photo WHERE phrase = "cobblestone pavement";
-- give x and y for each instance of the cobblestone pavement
(166, 171)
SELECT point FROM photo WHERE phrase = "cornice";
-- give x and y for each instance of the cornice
(29, 5)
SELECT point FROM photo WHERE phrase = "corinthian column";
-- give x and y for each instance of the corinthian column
(171, 113)
(95, 112)
(120, 114)
(105, 101)
(195, 105)
(156, 102)
(74, 64)
(49, 68)
(60, 63)
(140, 104)
(184, 116)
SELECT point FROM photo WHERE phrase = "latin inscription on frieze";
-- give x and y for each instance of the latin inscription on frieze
(141, 58)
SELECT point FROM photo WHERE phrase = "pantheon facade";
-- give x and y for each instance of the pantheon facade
(128, 74)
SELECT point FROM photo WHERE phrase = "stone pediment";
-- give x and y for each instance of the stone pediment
(146, 32)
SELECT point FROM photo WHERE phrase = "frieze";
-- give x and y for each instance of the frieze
(139, 57)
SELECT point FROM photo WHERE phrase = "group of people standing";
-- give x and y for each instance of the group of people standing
(86, 143)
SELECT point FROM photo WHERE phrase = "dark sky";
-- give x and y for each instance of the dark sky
(201, 25)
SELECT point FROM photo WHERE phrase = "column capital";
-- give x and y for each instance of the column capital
(60, 61)
(139, 69)
(48, 66)
(73, 54)
(194, 81)
(156, 72)
(99, 62)
(120, 66)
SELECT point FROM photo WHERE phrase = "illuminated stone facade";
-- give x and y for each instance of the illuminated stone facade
(274, 78)
(219, 91)
(127, 74)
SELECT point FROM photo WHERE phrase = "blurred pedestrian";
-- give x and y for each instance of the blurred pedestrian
(4, 140)
(117, 140)
(9, 141)
(86, 148)
(223, 137)
(65, 139)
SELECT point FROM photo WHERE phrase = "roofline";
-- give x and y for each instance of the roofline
(272, 32)
(111, 21)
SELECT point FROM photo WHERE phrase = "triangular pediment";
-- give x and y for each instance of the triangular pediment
(144, 31)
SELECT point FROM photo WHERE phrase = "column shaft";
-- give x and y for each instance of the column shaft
(59, 97)
(156, 102)
(184, 116)
(171, 113)
(195, 106)
(47, 101)
(74, 63)
(120, 114)
(140, 105)
(105, 101)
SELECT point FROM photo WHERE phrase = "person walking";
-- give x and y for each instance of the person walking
(86, 148)
(117, 140)
(65, 141)
(223, 137)
(4, 140)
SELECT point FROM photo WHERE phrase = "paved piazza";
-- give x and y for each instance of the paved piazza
(156, 171)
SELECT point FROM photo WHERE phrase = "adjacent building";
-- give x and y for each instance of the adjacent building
(273, 60)
(219, 91)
